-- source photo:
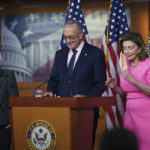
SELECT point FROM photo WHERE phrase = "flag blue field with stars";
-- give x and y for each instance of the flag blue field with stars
(74, 12)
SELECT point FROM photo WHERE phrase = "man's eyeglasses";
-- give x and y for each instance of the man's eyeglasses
(71, 38)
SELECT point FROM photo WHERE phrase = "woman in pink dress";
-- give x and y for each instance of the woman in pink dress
(135, 85)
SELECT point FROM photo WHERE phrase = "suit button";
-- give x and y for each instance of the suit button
(69, 81)
(70, 94)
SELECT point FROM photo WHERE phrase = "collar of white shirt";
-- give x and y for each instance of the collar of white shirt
(79, 49)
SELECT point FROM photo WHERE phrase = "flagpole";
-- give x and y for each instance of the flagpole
(103, 114)
(107, 35)
(107, 38)
(69, 10)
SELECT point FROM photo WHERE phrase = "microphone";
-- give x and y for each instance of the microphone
(41, 84)
(38, 92)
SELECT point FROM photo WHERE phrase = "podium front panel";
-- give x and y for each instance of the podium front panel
(58, 118)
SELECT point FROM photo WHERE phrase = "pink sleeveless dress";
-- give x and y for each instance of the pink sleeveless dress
(137, 115)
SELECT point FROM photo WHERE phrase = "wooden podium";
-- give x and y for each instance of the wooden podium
(71, 118)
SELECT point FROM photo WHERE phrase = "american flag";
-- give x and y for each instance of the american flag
(116, 27)
(148, 46)
(74, 12)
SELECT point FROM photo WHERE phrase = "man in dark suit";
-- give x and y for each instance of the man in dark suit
(8, 87)
(88, 76)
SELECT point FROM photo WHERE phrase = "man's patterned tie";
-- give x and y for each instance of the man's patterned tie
(71, 63)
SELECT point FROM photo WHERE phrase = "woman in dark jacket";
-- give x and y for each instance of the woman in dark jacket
(8, 87)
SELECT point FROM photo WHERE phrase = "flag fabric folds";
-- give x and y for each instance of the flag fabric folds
(74, 12)
(148, 45)
(116, 27)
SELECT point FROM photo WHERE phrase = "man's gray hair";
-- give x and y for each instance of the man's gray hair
(77, 23)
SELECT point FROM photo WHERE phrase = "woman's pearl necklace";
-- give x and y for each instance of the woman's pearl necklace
(134, 64)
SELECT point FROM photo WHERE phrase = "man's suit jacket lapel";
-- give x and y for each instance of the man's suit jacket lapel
(64, 59)
(82, 58)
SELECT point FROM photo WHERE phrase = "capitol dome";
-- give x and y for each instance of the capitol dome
(14, 58)
(9, 39)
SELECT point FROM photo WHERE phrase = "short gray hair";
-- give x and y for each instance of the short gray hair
(77, 23)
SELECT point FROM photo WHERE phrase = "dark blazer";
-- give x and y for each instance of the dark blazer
(88, 77)
(8, 87)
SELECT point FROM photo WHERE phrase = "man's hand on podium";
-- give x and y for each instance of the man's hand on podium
(49, 94)
(79, 95)
(8, 126)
